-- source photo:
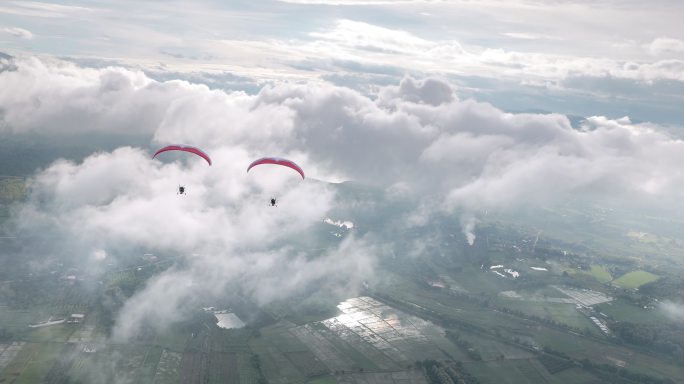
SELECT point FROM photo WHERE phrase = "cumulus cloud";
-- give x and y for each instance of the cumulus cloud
(113, 203)
(354, 2)
(666, 45)
(673, 310)
(46, 10)
(416, 138)
(19, 33)
(468, 223)
(380, 46)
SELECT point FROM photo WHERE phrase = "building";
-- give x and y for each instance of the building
(76, 318)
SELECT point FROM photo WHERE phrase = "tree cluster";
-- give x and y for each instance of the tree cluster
(441, 373)
(662, 338)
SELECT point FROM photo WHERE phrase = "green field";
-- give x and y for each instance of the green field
(17, 320)
(509, 326)
(283, 357)
(12, 188)
(600, 273)
(52, 333)
(327, 379)
(622, 310)
(33, 362)
(516, 371)
(560, 312)
(604, 353)
(173, 338)
(635, 279)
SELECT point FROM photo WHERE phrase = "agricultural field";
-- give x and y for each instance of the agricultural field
(369, 337)
(52, 333)
(605, 353)
(511, 327)
(401, 337)
(326, 379)
(600, 273)
(635, 279)
(168, 369)
(623, 310)
(526, 371)
(32, 362)
(11, 188)
(8, 351)
(496, 327)
(16, 321)
(282, 357)
(509, 371)
(564, 313)
(401, 377)
(586, 297)
(173, 339)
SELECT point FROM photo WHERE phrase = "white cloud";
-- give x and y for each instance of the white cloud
(223, 229)
(415, 137)
(523, 35)
(371, 44)
(673, 310)
(665, 45)
(41, 9)
(357, 2)
(410, 126)
(18, 32)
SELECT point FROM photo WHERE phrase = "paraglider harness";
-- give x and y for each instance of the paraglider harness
(274, 203)
(181, 190)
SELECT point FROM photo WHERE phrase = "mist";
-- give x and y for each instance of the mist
(416, 141)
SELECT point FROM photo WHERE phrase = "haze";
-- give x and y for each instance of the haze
(492, 191)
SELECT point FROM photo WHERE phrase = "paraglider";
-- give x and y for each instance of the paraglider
(277, 161)
(184, 148)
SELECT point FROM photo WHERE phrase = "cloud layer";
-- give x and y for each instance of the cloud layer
(526, 48)
(18, 32)
(417, 138)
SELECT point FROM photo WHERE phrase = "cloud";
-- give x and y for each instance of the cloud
(411, 127)
(41, 9)
(468, 223)
(355, 2)
(415, 138)
(373, 45)
(19, 33)
(665, 45)
(223, 230)
(523, 35)
(673, 310)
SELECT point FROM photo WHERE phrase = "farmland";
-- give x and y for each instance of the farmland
(11, 188)
(635, 279)
(423, 317)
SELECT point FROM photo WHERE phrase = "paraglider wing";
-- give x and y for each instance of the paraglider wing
(277, 161)
(184, 148)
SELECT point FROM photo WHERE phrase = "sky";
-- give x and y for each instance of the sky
(457, 106)
(584, 58)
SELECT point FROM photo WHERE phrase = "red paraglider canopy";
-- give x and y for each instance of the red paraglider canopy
(277, 161)
(184, 148)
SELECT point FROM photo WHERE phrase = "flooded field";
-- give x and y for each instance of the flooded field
(8, 352)
(370, 335)
(229, 321)
(585, 297)
(402, 377)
